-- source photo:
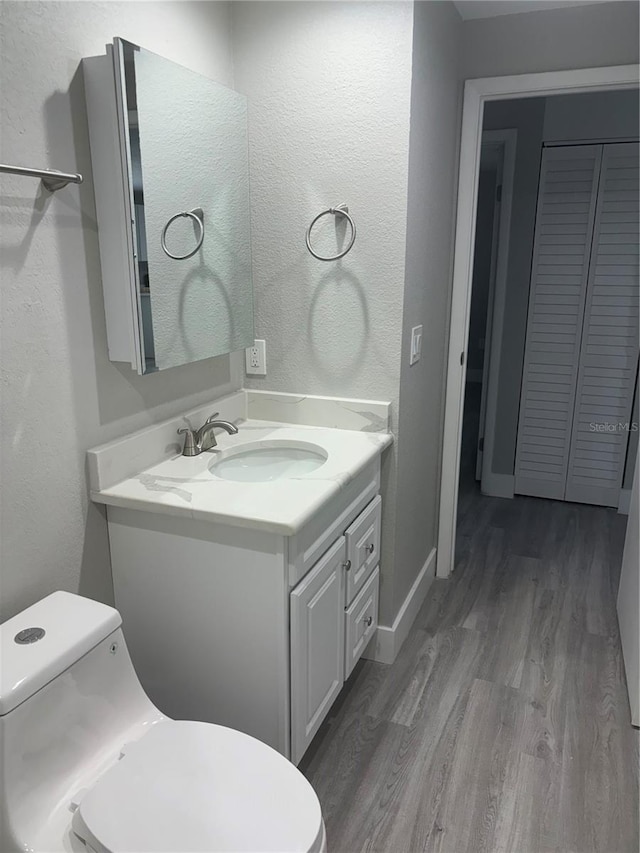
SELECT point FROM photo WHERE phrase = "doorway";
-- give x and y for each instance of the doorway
(477, 94)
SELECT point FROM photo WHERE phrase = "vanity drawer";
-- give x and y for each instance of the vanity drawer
(361, 621)
(363, 547)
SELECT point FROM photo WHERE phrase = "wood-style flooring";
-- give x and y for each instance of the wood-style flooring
(503, 724)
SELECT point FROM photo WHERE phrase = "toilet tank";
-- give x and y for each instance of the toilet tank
(69, 701)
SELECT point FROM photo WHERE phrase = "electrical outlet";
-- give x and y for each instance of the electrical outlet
(256, 359)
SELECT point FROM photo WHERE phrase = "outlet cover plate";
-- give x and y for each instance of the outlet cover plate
(256, 359)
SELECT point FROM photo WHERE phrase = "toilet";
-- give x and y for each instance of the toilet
(89, 764)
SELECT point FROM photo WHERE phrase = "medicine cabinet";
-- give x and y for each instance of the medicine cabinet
(169, 152)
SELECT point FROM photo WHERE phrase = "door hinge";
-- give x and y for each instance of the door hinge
(499, 192)
(462, 358)
(481, 444)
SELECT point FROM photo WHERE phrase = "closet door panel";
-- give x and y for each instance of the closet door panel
(609, 353)
(562, 245)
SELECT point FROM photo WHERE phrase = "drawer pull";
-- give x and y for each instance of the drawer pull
(346, 566)
(370, 548)
(368, 621)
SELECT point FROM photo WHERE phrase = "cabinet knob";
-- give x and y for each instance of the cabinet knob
(368, 620)
(346, 566)
(370, 548)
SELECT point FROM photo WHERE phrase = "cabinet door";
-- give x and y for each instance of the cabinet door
(317, 646)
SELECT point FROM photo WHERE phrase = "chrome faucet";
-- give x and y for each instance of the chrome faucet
(199, 440)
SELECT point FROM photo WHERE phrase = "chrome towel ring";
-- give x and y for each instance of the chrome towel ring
(198, 216)
(340, 210)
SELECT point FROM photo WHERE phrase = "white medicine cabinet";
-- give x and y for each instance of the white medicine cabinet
(169, 152)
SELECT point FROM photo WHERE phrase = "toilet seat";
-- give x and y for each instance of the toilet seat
(189, 786)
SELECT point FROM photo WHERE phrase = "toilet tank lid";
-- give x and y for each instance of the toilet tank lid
(72, 626)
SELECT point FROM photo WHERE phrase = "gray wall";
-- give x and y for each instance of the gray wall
(554, 40)
(433, 164)
(60, 393)
(593, 115)
(329, 88)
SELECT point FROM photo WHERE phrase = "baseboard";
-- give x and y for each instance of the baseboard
(624, 503)
(498, 485)
(387, 641)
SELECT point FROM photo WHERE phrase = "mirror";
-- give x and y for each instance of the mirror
(183, 151)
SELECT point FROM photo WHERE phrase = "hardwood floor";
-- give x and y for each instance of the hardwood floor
(503, 724)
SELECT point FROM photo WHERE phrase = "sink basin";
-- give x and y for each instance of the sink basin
(265, 461)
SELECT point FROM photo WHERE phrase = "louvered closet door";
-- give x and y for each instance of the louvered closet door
(609, 352)
(562, 245)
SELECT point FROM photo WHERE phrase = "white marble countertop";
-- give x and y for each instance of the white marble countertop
(185, 486)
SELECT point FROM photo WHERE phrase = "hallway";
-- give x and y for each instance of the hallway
(503, 725)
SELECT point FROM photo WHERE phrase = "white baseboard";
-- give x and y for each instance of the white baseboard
(386, 642)
(625, 501)
(498, 485)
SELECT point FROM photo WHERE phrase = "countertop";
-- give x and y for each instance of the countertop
(183, 486)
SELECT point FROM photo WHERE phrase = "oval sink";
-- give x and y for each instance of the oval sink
(265, 461)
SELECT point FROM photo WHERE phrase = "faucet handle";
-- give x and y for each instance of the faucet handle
(190, 447)
(212, 417)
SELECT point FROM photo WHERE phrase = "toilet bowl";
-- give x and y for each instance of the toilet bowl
(89, 764)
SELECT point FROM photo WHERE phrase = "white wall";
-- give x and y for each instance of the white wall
(553, 40)
(329, 87)
(60, 394)
(433, 162)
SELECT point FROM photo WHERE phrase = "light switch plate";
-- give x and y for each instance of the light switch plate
(416, 344)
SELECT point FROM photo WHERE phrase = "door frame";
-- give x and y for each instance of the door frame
(476, 93)
(507, 139)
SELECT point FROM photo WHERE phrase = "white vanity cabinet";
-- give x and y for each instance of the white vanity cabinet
(245, 627)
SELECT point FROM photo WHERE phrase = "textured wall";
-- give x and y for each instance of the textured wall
(433, 163)
(554, 40)
(329, 88)
(60, 394)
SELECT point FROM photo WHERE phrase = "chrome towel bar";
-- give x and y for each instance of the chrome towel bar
(340, 210)
(52, 180)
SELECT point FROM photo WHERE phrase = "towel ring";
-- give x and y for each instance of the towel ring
(341, 210)
(198, 216)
